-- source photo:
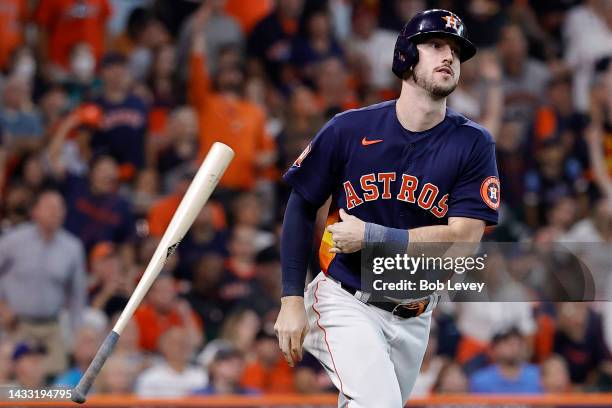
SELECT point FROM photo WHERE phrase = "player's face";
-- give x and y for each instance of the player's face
(439, 66)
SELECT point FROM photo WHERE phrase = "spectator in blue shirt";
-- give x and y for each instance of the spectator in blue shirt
(96, 211)
(509, 373)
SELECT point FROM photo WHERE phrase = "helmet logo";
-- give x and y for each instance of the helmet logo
(451, 22)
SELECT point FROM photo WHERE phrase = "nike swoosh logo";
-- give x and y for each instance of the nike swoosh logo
(366, 142)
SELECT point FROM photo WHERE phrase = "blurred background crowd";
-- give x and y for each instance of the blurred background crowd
(107, 107)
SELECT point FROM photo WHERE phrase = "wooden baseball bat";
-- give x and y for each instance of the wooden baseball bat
(197, 194)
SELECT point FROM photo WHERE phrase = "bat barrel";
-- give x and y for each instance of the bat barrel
(200, 189)
(79, 393)
(197, 194)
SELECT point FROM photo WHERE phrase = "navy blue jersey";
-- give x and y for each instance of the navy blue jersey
(382, 173)
(123, 130)
(95, 218)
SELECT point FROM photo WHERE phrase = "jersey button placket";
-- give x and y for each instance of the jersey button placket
(407, 151)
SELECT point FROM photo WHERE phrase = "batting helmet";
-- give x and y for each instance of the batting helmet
(435, 22)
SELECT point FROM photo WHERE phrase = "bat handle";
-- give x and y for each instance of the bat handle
(79, 393)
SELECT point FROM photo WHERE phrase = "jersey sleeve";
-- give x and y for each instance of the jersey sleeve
(476, 194)
(315, 173)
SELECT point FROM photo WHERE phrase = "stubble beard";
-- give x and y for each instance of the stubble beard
(436, 90)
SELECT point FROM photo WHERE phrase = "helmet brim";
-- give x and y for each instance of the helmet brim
(468, 49)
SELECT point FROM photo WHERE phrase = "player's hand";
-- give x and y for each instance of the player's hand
(348, 234)
(291, 328)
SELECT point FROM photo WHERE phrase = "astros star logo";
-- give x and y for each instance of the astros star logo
(490, 192)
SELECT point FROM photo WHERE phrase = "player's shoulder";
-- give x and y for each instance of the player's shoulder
(356, 117)
(344, 124)
(467, 130)
(365, 112)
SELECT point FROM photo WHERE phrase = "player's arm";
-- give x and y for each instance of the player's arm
(352, 234)
(314, 176)
(291, 325)
(459, 229)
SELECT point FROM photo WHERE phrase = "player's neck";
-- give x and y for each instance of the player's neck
(417, 111)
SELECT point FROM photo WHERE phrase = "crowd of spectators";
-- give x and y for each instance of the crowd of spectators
(107, 107)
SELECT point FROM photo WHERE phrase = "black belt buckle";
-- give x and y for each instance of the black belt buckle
(403, 310)
(410, 309)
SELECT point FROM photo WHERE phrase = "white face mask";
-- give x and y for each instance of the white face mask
(25, 67)
(83, 66)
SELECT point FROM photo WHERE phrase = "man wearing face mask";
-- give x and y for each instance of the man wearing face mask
(81, 80)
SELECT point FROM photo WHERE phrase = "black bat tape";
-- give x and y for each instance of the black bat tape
(81, 390)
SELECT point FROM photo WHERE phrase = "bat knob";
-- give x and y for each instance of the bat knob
(77, 396)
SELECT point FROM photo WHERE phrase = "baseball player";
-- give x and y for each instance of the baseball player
(404, 171)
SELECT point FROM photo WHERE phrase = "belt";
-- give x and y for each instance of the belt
(404, 310)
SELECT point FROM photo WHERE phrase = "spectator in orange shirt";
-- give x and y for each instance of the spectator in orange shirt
(162, 211)
(269, 372)
(226, 116)
(68, 22)
(13, 15)
(162, 310)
